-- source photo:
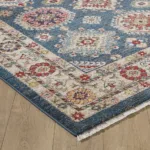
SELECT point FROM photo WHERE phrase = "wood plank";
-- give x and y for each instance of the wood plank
(112, 137)
(6, 100)
(136, 134)
(28, 128)
(142, 128)
(63, 140)
(130, 134)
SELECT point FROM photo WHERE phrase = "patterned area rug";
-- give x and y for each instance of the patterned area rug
(84, 63)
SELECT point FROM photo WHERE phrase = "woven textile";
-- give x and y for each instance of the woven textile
(84, 63)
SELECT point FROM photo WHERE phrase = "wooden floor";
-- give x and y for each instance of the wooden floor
(24, 127)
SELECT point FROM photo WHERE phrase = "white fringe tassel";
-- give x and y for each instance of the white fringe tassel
(111, 121)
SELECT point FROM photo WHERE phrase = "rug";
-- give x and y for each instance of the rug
(84, 63)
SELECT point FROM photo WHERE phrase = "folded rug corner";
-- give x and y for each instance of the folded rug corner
(84, 63)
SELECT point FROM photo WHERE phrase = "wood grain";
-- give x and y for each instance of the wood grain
(28, 128)
(63, 140)
(6, 99)
(24, 127)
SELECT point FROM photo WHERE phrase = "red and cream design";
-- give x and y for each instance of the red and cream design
(18, 3)
(42, 69)
(133, 73)
(88, 43)
(77, 95)
(96, 4)
(44, 18)
(133, 22)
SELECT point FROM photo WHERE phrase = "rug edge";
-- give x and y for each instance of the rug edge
(111, 122)
(92, 131)
(35, 105)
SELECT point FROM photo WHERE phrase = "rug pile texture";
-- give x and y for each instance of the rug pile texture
(84, 63)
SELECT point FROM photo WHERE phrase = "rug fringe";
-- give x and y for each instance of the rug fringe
(111, 122)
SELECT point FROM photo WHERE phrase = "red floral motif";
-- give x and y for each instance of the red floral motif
(84, 77)
(145, 84)
(133, 73)
(136, 42)
(85, 41)
(133, 22)
(98, 4)
(33, 44)
(142, 53)
(78, 116)
(44, 18)
(21, 4)
(139, 21)
(111, 85)
(20, 74)
(42, 69)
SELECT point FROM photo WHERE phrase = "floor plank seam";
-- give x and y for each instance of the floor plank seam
(54, 136)
(148, 116)
(8, 121)
(103, 140)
